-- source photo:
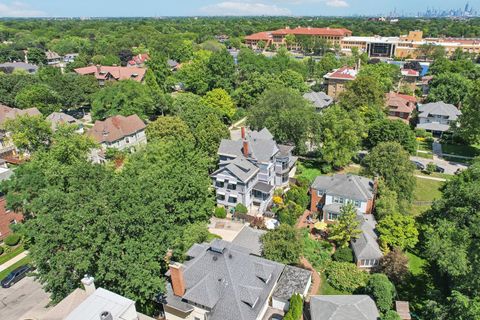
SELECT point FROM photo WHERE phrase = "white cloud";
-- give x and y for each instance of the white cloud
(19, 9)
(234, 8)
(337, 3)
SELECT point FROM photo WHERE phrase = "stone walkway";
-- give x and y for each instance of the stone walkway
(13, 260)
(316, 280)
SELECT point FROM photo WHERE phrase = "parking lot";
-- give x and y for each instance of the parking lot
(23, 299)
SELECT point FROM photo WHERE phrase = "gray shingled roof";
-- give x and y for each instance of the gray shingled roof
(345, 185)
(20, 65)
(439, 108)
(340, 307)
(230, 282)
(250, 238)
(239, 167)
(293, 280)
(261, 146)
(263, 187)
(366, 245)
(320, 99)
(434, 126)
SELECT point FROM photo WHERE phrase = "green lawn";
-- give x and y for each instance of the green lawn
(7, 256)
(19, 263)
(424, 145)
(435, 175)
(461, 150)
(425, 190)
(424, 155)
(415, 264)
(459, 160)
(327, 289)
(308, 170)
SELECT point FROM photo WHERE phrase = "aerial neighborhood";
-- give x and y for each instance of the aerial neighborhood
(260, 166)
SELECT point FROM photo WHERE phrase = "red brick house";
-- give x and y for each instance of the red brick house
(7, 218)
(400, 106)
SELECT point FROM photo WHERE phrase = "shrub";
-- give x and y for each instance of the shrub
(295, 310)
(345, 276)
(391, 315)
(421, 133)
(12, 240)
(220, 212)
(317, 252)
(1, 251)
(431, 167)
(382, 291)
(298, 195)
(343, 255)
(241, 209)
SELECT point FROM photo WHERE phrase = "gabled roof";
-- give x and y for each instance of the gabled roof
(343, 73)
(118, 73)
(346, 185)
(340, 307)
(249, 238)
(366, 245)
(226, 282)
(11, 113)
(293, 280)
(320, 99)
(115, 128)
(410, 73)
(439, 108)
(52, 55)
(139, 59)
(400, 103)
(261, 146)
(58, 118)
(239, 167)
(265, 36)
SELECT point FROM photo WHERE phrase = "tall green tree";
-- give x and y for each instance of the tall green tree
(346, 228)
(384, 130)
(398, 230)
(382, 291)
(29, 133)
(283, 245)
(220, 100)
(469, 129)
(389, 161)
(449, 88)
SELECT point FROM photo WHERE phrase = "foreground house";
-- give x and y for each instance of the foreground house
(342, 307)
(113, 73)
(7, 148)
(250, 169)
(338, 79)
(53, 58)
(222, 281)
(437, 117)
(400, 106)
(330, 193)
(319, 99)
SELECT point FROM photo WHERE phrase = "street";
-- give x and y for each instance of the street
(450, 167)
(24, 297)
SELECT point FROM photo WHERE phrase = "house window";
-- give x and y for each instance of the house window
(320, 193)
(369, 262)
(219, 184)
(357, 203)
(232, 186)
(332, 216)
(232, 199)
(338, 200)
(221, 197)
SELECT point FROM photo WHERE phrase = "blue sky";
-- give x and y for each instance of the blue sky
(114, 8)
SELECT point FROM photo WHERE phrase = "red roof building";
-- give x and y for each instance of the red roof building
(7, 218)
(139, 60)
(337, 79)
(105, 73)
(400, 106)
(320, 32)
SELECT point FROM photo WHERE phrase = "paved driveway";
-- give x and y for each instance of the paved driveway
(450, 167)
(24, 297)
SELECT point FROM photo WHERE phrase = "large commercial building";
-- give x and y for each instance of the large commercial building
(406, 46)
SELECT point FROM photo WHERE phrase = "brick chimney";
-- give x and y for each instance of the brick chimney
(88, 284)
(243, 132)
(176, 276)
(99, 68)
(246, 152)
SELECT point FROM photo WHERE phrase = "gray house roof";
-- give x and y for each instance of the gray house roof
(320, 99)
(228, 281)
(346, 185)
(293, 280)
(433, 126)
(261, 146)
(239, 167)
(366, 245)
(354, 307)
(58, 118)
(250, 238)
(439, 108)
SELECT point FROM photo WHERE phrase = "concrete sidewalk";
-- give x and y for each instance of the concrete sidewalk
(13, 260)
(430, 178)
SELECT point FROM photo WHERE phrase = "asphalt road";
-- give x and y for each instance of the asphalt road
(450, 167)
(23, 297)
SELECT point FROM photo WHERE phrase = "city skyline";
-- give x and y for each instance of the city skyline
(151, 8)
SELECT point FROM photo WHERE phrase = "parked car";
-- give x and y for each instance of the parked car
(419, 165)
(15, 276)
(439, 169)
